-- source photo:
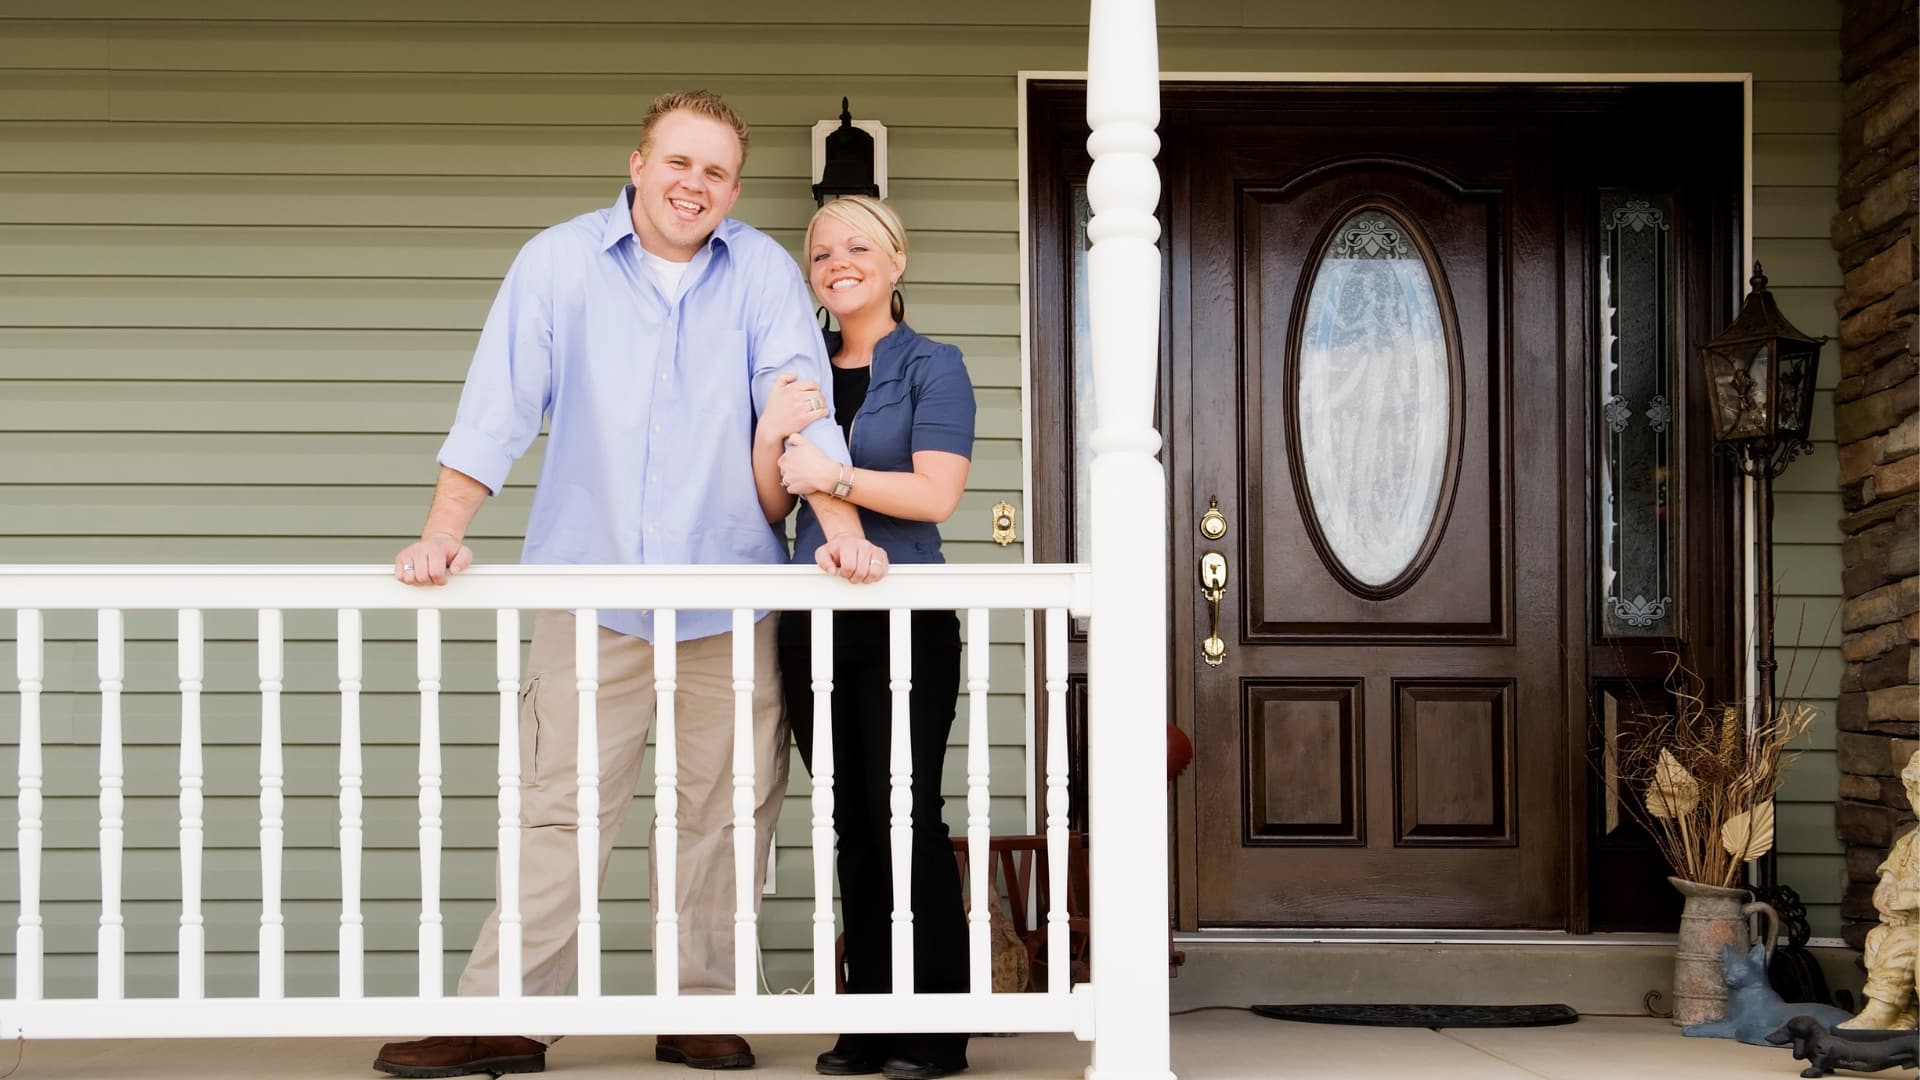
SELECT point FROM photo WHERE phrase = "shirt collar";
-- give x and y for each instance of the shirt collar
(890, 353)
(620, 225)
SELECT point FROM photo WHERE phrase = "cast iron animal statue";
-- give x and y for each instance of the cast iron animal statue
(1855, 1049)
(1753, 1010)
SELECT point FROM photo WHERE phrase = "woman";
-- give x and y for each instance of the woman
(907, 407)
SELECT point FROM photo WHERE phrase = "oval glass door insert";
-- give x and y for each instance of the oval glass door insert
(1374, 398)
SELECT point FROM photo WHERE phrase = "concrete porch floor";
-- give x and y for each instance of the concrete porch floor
(1214, 1045)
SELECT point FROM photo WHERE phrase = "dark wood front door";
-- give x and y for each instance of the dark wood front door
(1425, 360)
(1373, 321)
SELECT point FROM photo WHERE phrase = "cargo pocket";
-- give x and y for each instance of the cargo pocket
(529, 733)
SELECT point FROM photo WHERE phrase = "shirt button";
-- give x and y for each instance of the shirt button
(656, 427)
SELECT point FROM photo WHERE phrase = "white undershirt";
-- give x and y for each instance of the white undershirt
(671, 275)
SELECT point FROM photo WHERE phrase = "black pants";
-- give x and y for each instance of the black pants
(862, 744)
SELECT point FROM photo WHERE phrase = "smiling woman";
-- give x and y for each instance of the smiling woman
(906, 404)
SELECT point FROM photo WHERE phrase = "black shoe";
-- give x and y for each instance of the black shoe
(853, 1055)
(836, 1063)
(900, 1068)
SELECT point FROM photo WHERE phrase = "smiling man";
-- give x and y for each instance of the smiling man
(649, 335)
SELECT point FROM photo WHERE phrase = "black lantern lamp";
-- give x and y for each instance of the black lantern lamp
(848, 169)
(1760, 376)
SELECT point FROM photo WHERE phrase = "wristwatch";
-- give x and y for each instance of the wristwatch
(843, 487)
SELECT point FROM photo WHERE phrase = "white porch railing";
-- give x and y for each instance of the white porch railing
(109, 591)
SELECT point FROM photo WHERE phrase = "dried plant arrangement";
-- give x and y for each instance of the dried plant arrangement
(1706, 783)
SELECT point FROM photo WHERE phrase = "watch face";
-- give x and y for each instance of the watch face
(841, 489)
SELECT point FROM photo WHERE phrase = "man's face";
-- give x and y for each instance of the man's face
(687, 180)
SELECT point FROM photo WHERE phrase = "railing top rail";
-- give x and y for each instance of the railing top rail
(685, 588)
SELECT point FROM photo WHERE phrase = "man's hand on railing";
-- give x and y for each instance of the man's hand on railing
(431, 560)
(855, 558)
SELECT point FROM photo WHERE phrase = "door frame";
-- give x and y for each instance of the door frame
(1576, 544)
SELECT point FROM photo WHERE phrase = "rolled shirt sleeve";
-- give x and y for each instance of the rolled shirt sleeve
(787, 340)
(509, 385)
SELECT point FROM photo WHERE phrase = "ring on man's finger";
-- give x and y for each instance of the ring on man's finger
(406, 568)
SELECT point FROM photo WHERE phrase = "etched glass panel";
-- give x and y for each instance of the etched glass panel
(1375, 401)
(1637, 431)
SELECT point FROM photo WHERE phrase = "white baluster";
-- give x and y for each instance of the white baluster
(29, 946)
(586, 666)
(273, 932)
(506, 640)
(900, 794)
(823, 931)
(432, 931)
(353, 933)
(1059, 846)
(979, 806)
(113, 933)
(1127, 643)
(193, 833)
(746, 931)
(666, 806)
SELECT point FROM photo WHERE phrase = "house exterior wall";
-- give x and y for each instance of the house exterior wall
(245, 248)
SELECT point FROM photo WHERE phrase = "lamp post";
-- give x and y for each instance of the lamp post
(1760, 377)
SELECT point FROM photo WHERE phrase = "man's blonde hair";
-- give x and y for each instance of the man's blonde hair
(700, 103)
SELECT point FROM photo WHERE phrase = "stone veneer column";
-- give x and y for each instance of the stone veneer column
(1877, 425)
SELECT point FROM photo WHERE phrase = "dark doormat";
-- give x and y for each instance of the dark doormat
(1424, 1016)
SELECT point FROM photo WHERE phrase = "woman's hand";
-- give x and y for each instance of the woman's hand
(804, 470)
(792, 404)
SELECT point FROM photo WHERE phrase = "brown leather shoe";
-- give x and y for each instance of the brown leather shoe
(704, 1051)
(462, 1055)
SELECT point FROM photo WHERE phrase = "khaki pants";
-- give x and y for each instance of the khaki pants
(549, 844)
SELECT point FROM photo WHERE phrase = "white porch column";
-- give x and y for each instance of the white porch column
(1127, 643)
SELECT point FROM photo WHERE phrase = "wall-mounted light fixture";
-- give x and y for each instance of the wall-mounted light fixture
(849, 157)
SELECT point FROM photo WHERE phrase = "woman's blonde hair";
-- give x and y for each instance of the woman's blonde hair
(872, 218)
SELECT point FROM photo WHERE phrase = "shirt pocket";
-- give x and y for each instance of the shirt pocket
(716, 364)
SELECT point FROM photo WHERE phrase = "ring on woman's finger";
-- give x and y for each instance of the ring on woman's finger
(815, 404)
(406, 568)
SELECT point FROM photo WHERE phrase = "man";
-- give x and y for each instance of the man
(651, 333)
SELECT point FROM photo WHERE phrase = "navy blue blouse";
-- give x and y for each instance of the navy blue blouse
(920, 398)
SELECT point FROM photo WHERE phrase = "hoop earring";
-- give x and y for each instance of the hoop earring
(821, 314)
(897, 307)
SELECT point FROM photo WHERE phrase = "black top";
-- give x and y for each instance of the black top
(849, 393)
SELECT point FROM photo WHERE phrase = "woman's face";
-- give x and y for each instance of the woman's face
(850, 271)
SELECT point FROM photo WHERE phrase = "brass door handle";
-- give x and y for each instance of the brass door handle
(1213, 586)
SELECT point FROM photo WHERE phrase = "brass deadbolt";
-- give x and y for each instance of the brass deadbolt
(1213, 524)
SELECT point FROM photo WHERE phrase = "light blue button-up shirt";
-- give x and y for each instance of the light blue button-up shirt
(653, 400)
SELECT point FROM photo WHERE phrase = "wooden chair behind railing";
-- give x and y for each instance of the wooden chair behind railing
(1019, 883)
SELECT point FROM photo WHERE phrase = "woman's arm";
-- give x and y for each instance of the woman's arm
(790, 407)
(929, 493)
(775, 501)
